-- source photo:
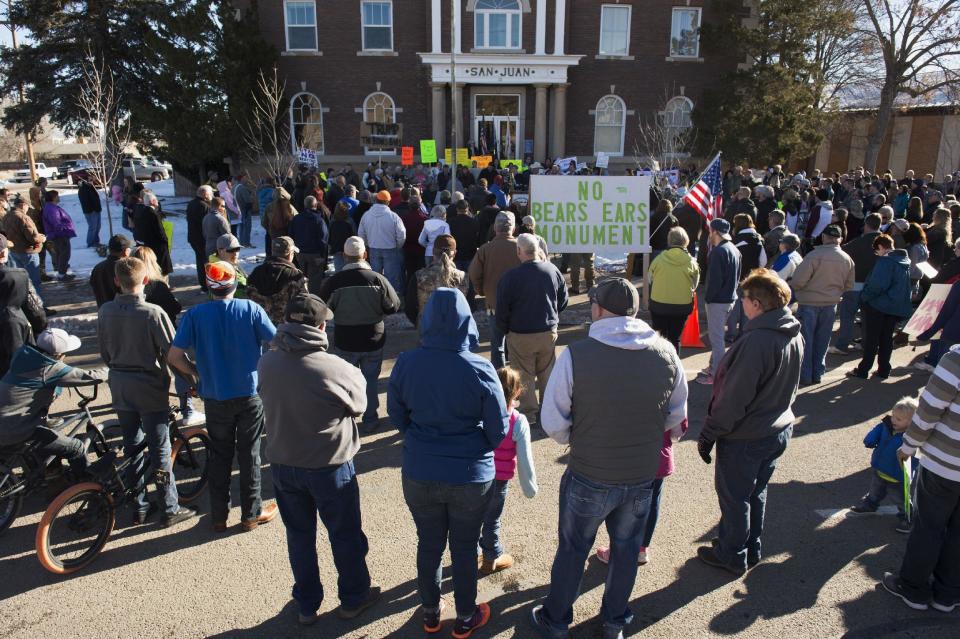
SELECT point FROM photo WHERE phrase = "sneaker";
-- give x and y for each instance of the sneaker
(708, 555)
(603, 555)
(180, 516)
(502, 562)
(706, 380)
(856, 373)
(463, 628)
(611, 631)
(536, 620)
(863, 508)
(923, 366)
(195, 419)
(373, 596)
(219, 526)
(267, 514)
(836, 350)
(307, 620)
(892, 584)
(140, 517)
(644, 556)
(431, 619)
(943, 607)
(903, 526)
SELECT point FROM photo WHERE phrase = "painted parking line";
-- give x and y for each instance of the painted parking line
(832, 513)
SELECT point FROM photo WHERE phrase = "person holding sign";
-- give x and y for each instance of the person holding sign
(930, 572)
(948, 321)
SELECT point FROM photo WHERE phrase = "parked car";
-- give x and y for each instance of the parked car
(87, 174)
(139, 169)
(23, 175)
(71, 165)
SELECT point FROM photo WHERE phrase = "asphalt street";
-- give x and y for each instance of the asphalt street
(818, 578)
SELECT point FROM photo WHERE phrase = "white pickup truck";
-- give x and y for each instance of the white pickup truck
(49, 172)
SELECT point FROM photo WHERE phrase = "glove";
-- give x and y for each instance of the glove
(704, 446)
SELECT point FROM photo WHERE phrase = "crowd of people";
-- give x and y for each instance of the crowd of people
(346, 251)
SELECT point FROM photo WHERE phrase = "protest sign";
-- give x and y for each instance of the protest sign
(428, 151)
(506, 164)
(406, 156)
(926, 314)
(378, 135)
(567, 165)
(307, 157)
(603, 160)
(590, 214)
(483, 161)
(463, 157)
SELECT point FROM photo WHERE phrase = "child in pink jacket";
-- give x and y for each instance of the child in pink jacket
(664, 471)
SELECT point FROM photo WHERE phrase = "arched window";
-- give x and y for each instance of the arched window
(380, 109)
(609, 123)
(497, 24)
(306, 123)
(676, 115)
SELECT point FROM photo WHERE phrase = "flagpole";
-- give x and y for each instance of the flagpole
(453, 91)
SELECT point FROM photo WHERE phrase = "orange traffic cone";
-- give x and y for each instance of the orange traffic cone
(691, 330)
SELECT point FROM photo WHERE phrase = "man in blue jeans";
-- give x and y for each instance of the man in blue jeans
(383, 233)
(864, 256)
(750, 419)
(614, 425)
(312, 400)
(227, 337)
(361, 299)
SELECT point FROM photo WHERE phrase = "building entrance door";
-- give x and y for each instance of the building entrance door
(496, 128)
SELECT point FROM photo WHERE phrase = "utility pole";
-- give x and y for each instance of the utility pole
(26, 134)
(453, 91)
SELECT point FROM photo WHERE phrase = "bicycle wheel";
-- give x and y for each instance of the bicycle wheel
(74, 528)
(191, 452)
(10, 501)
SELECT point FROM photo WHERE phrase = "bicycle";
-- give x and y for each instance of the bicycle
(84, 514)
(23, 468)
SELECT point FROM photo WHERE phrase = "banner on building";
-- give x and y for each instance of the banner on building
(926, 314)
(307, 157)
(603, 160)
(378, 136)
(591, 214)
(428, 151)
(483, 161)
(406, 156)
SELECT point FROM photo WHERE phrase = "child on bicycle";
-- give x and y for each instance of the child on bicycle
(513, 453)
(27, 390)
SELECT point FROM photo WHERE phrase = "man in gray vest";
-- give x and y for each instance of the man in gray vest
(614, 419)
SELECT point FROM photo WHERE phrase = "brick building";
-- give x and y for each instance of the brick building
(534, 78)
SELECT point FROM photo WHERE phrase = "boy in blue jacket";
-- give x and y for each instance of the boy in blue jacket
(885, 439)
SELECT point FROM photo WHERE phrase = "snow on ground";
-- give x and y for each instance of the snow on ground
(83, 259)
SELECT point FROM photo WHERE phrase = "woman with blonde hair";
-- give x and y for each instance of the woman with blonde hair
(940, 237)
(674, 276)
(441, 272)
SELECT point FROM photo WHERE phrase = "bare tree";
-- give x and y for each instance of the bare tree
(918, 41)
(266, 133)
(839, 50)
(667, 136)
(100, 111)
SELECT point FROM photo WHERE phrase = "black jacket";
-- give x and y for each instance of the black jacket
(340, 230)
(102, 282)
(148, 230)
(750, 245)
(485, 219)
(196, 210)
(660, 225)
(89, 198)
(20, 316)
(159, 293)
(764, 209)
(273, 275)
(465, 229)
(861, 252)
(741, 206)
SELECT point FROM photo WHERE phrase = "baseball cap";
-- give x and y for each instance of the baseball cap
(354, 246)
(283, 245)
(221, 276)
(228, 242)
(833, 230)
(720, 225)
(57, 341)
(4, 242)
(307, 308)
(616, 295)
(383, 196)
(119, 243)
(901, 224)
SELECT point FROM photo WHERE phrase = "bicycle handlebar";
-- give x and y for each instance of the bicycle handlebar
(85, 400)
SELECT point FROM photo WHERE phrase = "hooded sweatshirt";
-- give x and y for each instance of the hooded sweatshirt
(757, 380)
(674, 275)
(381, 228)
(311, 400)
(446, 401)
(887, 288)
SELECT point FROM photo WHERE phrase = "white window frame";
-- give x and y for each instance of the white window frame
(293, 123)
(673, 22)
(286, 25)
(393, 120)
(623, 124)
(484, 15)
(629, 9)
(677, 98)
(364, 26)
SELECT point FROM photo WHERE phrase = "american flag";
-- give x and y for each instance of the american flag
(706, 196)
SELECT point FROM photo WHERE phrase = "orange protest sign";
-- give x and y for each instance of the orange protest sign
(483, 161)
(406, 156)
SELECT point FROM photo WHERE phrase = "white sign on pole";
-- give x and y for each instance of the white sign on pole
(308, 157)
(592, 214)
(603, 160)
(567, 165)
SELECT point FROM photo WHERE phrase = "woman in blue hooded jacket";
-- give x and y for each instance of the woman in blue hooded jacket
(885, 299)
(448, 404)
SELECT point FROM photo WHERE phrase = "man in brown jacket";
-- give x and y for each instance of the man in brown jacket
(27, 240)
(492, 260)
